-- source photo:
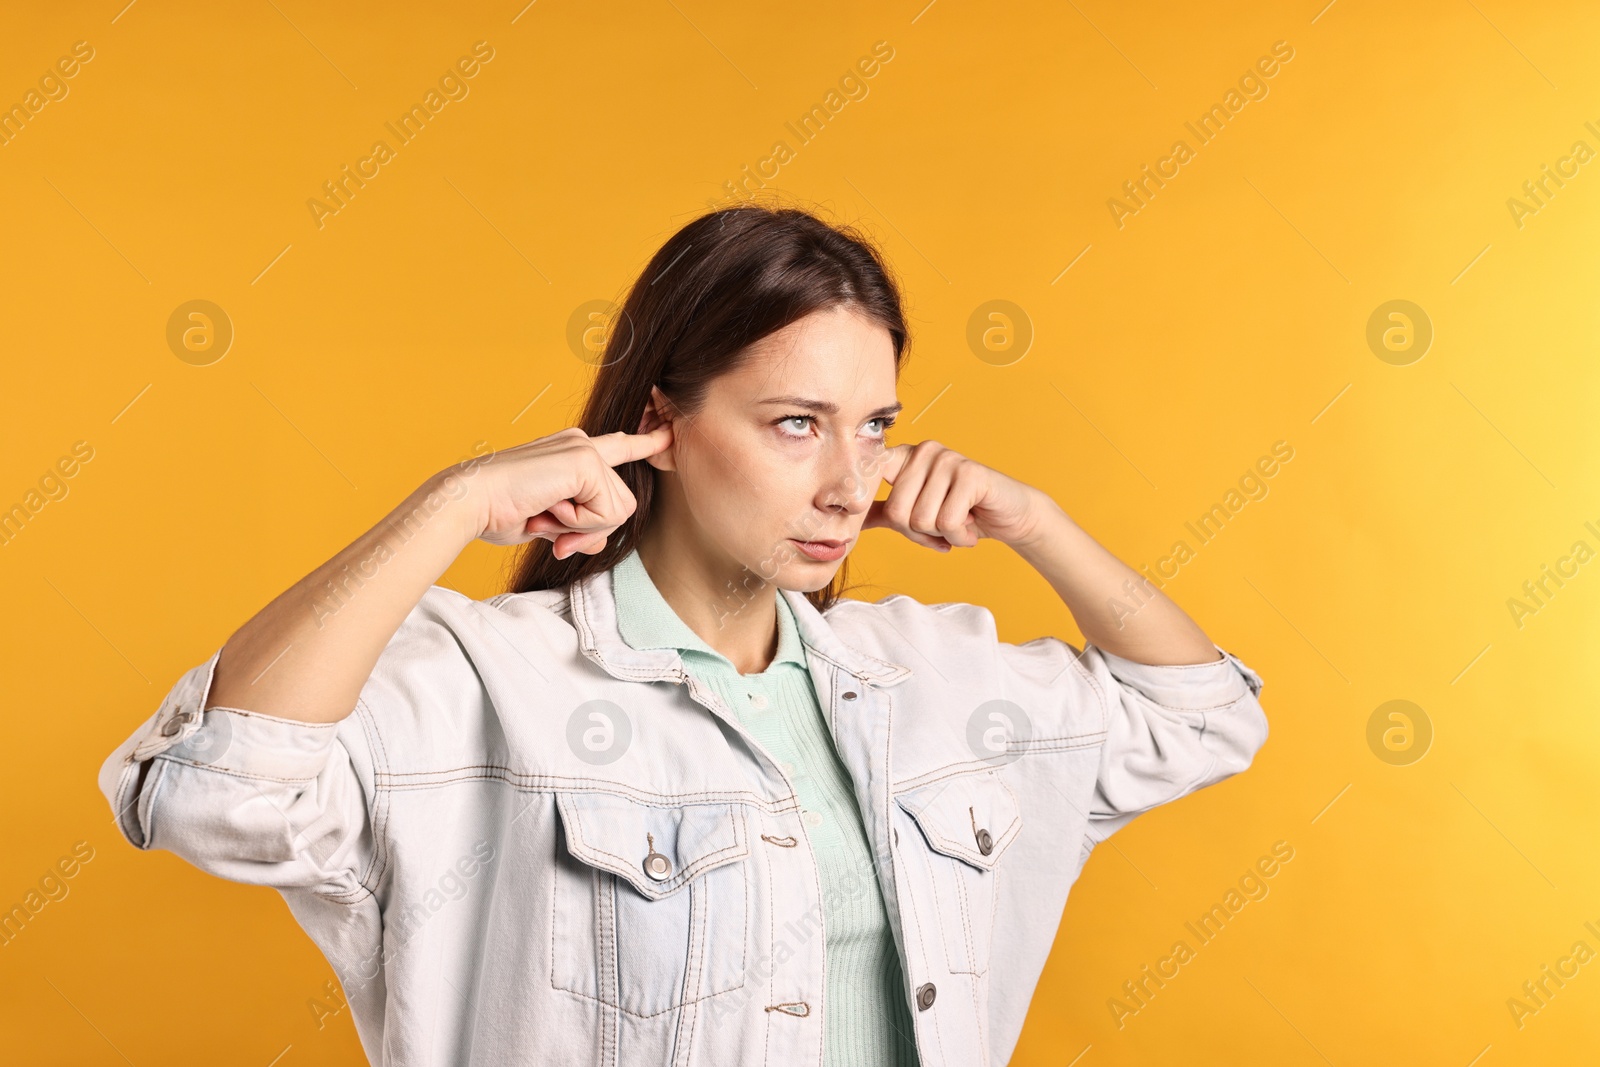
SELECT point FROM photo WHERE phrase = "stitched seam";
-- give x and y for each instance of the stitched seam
(635, 1014)
(744, 942)
(162, 756)
(533, 782)
(958, 850)
(694, 969)
(961, 877)
(683, 877)
(994, 906)
(608, 946)
(130, 769)
(376, 862)
(957, 770)
(772, 972)
(910, 895)
(383, 797)
(668, 799)
(152, 788)
(1200, 710)
(555, 882)
(916, 918)
(609, 978)
(1094, 683)
(273, 718)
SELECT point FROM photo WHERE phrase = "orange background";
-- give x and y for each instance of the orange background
(1230, 312)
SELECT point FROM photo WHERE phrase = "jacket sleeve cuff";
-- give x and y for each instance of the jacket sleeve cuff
(230, 740)
(1197, 687)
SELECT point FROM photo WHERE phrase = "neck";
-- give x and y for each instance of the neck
(714, 597)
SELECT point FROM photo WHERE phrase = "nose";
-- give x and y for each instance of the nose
(850, 477)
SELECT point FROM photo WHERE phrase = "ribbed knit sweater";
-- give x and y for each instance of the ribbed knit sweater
(865, 1016)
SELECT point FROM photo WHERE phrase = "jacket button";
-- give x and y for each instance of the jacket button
(848, 695)
(985, 842)
(925, 995)
(656, 865)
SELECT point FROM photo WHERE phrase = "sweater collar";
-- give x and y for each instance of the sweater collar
(645, 620)
(595, 616)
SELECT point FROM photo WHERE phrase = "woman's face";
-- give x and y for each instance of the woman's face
(786, 449)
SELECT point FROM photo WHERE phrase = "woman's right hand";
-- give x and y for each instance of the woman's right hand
(561, 487)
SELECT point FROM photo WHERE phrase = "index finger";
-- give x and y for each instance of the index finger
(892, 461)
(624, 447)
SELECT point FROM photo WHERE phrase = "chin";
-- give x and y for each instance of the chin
(808, 575)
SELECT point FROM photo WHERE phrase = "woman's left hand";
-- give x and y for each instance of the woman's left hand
(940, 498)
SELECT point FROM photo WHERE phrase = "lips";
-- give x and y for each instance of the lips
(822, 551)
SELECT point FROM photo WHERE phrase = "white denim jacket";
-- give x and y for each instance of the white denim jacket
(531, 843)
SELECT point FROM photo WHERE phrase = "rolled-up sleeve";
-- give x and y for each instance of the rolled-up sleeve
(249, 797)
(1170, 730)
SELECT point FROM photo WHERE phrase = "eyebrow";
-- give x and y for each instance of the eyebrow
(825, 406)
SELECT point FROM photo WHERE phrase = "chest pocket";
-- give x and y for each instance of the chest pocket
(959, 829)
(649, 904)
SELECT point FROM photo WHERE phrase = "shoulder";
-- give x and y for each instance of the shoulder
(443, 608)
(898, 620)
(432, 697)
(450, 636)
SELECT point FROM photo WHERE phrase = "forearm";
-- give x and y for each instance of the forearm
(1116, 608)
(307, 654)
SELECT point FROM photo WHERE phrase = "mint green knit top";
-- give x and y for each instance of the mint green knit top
(865, 1018)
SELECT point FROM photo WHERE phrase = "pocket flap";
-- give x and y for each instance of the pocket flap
(972, 817)
(657, 850)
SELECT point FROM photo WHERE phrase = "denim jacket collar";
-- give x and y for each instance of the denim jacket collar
(594, 615)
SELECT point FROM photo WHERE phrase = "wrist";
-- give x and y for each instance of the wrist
(448, 499)
(1045, 519)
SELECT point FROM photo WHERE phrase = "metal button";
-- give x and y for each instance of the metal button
(925, 995)
(848, 695)
(985, 842)
(656, 865)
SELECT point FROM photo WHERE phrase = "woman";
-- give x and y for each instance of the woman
(672, 799)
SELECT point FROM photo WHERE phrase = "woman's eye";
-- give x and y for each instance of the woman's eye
(883, 424)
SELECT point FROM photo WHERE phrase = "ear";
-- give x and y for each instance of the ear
(657, 411)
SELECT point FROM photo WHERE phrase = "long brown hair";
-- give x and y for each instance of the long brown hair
(718, 285)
